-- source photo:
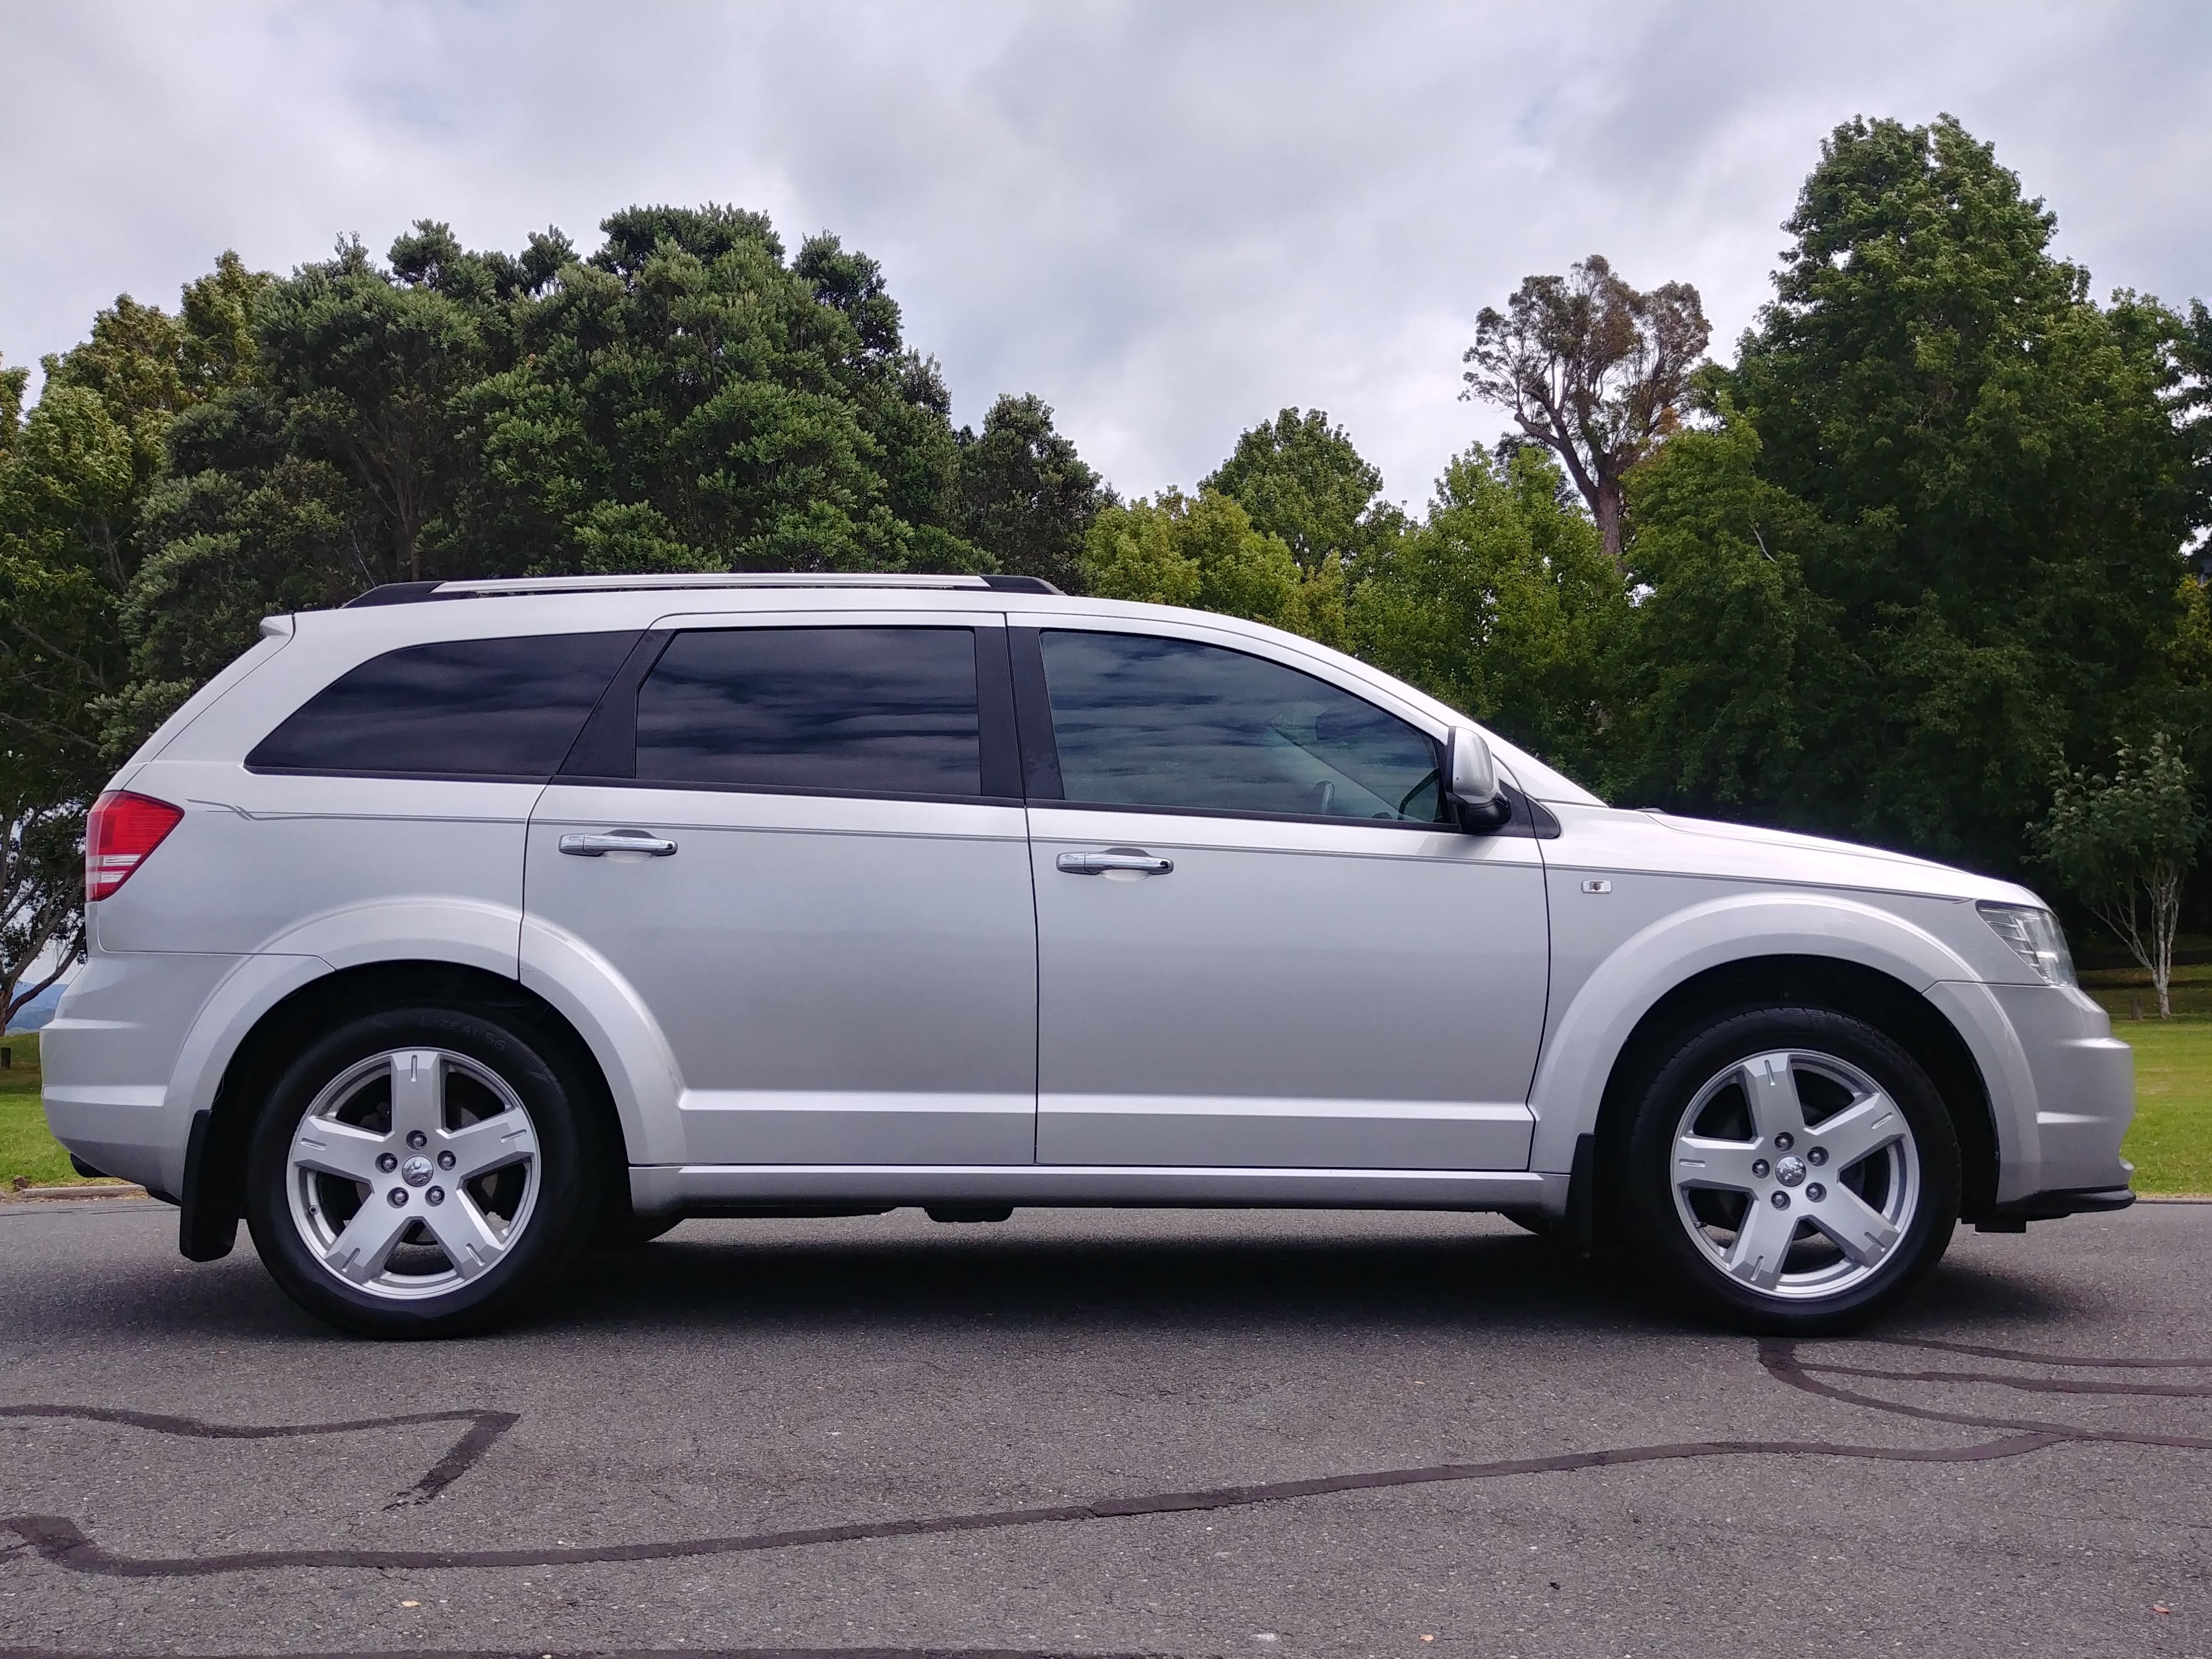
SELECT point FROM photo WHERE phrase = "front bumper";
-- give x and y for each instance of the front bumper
(2013, 1218)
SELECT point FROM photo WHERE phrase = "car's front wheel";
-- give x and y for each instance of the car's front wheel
(419, 1172)
(1789, 1170)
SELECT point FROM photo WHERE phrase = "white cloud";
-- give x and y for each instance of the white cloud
(1167, 220)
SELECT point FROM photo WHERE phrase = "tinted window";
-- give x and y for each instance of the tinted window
(1155, 722)
(878, 710)
(499, 707)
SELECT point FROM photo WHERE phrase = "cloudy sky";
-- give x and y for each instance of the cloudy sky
(1168, 220)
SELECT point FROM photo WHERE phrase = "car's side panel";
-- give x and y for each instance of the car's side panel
(835, 978)
(1302, 994)
(258, 857)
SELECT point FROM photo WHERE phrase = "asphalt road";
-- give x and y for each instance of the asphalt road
(1108, 1432)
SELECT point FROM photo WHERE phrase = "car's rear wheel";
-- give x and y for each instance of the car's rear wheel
(1790, 1170)
(419, 1172)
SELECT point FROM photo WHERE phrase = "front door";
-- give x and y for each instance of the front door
(798, 841)
(1262, 942)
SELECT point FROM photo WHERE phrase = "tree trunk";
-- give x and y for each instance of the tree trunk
(1609, 508)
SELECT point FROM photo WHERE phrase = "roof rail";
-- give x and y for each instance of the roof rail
(498, 586)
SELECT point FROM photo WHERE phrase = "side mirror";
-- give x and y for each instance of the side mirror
(1471, 780)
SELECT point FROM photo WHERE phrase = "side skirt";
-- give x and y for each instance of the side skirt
(704, 1189)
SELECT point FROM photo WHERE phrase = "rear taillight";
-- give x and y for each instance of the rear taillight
(121, 829)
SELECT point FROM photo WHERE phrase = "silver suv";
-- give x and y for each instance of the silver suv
(445, 935)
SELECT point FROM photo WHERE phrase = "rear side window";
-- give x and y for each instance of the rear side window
(871, 710)
(505, 708)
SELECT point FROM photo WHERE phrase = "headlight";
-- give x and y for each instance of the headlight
(2037, 937)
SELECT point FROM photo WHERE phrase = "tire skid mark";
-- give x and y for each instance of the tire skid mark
(485, 1427)
(58, 1541)
(2024, 1357)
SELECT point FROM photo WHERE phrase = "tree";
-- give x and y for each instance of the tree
(1026, 498)
(41, 898)
(1725, 654)
(1999, 489)
(1203, 551)
(1593, 370)
(74, 478)
(2125, 846)
(1300, 478)
(686, 397)
(1503, 602)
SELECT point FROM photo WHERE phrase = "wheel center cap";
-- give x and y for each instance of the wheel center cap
(1788, 1170)
(416, 1171)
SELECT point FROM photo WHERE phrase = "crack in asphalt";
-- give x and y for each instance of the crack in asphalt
(59, 1540)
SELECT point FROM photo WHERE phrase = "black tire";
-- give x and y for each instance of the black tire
(1916, 1175)
(284, 1204)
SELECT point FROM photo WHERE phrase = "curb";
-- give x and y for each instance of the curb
(48, 1194)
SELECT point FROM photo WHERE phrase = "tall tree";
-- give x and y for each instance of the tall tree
(685, 398)
(73, 480)
(1301, 479)
(1026, 497)
(2000, 488)
(1203, 551)
(1503, 602)
(1596, 372)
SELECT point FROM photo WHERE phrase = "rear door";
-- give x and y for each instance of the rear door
(826, 908)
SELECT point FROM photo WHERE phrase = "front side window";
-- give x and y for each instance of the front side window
(1140, 722)
(500, 709)
(869, 710)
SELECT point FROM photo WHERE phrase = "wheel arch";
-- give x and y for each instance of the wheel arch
(214, 1199)
(1834, 949)
(1883, 1001)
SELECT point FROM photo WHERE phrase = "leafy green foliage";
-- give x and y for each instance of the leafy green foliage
(1595, 371)
(1026, 498)
(2126, 844)
(1203, 551)
(1502, 603)
(74, 478)
(685, 399)
(1974, 471)
(1300, 479)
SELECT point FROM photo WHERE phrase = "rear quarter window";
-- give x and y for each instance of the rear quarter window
(502, 708)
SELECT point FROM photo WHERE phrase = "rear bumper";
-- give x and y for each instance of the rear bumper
(110, 1055)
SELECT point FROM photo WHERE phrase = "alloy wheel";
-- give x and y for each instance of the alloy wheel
(413, 1172)
(1796, 1174)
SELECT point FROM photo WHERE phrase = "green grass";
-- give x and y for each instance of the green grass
(25, 1149)
(2171, 1141)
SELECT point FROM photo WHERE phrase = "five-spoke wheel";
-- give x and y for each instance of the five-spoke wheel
(1789, 1167)
(419, 1171)
(1796, 1172)
(413, 1170)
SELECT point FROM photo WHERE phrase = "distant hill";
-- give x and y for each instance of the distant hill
(38, 1010)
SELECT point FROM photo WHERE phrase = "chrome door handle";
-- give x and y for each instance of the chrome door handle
(617, 840)
(1118, 857)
